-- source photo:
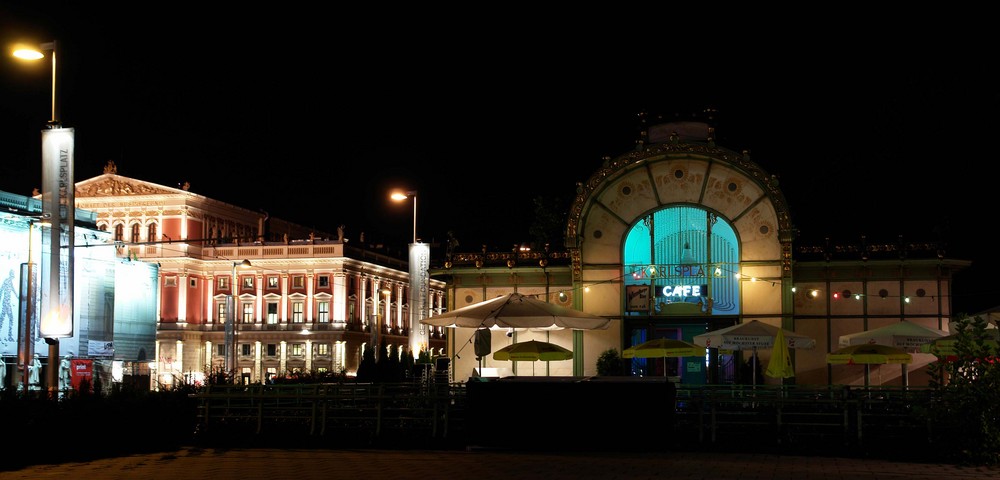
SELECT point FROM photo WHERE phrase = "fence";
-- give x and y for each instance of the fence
(831, 419)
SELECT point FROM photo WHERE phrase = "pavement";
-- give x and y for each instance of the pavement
(486, 464)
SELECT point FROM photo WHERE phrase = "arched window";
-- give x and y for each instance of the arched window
(135, 233)
(151, 232)
(119, 232)
(682, 260)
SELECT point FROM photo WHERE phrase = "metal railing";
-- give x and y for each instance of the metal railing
(835, 417)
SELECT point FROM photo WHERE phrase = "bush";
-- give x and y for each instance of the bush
(610, 363)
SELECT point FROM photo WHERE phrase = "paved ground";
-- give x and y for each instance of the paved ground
(306, 464)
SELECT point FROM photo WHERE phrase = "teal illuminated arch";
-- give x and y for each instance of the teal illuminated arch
(681, 260)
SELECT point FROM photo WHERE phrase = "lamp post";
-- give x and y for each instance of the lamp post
(419, 262)
(58, 202)
(231, 333)
(26, 339)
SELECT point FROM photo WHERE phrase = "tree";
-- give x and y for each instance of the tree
(965, 413)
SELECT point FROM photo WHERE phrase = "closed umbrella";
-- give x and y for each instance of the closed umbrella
(780, 365)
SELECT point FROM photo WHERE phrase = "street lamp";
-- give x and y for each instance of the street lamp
(231, 331)
(58, 202)
(399, 196)
(29, 53)
(419, 261)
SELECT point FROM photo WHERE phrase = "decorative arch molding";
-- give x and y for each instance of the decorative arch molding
(628, 187)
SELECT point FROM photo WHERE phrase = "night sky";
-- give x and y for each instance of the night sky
(314, 117)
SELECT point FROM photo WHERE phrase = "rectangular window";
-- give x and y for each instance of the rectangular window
(324, 281)
(272, 313)
(247, 312)
(298, 281)
(351, 314)
(220, 350)
(246, 349)
(324, 312)
(223, 283)
(193, 283)
(271, 373)
(170, 281)
(222, 313)
(298, 349)
(322, 349)
(272, 349)
(297, 316)
(272, 282)
(248, 282)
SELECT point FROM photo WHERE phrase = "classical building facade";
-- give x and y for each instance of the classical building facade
(301, 300)
(681, 236)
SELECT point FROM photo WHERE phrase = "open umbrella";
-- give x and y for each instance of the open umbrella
(515, 310)
(904, 335)
(663, 348)
(945, 346)
(751, 336)
(868, 354)
(532, 351)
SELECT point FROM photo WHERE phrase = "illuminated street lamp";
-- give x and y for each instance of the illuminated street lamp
(231, 333)
(30, 53)
(59, 203)
(399, 196)
(419, 261)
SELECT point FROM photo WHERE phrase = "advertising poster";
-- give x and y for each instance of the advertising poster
(81, 369)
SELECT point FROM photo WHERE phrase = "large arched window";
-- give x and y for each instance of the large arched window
(151, 232)
(119, 232)
(135, 233)
(681, 260)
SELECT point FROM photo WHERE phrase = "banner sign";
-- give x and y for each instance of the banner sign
(58, 205)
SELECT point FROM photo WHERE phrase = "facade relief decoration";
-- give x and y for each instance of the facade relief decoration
(113, 187)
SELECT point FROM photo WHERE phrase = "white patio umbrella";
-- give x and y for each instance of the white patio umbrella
(751, 336)
(515, 310)
(905, 335)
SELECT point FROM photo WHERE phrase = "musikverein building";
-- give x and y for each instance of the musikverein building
(308, 302)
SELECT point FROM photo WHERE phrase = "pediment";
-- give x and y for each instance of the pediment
(112, 185)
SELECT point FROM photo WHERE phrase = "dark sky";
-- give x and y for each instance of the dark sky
(313, 116)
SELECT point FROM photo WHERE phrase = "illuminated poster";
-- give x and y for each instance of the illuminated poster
(58, 203)
(81, 369)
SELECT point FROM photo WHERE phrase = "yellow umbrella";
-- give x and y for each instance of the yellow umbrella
(532, 351)
(780, 365)
(663, 348)
(868, 354)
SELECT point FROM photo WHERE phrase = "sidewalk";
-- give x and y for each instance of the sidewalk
(306, 464)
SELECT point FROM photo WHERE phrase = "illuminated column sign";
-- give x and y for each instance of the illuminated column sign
(58, 202)
(420, 254)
